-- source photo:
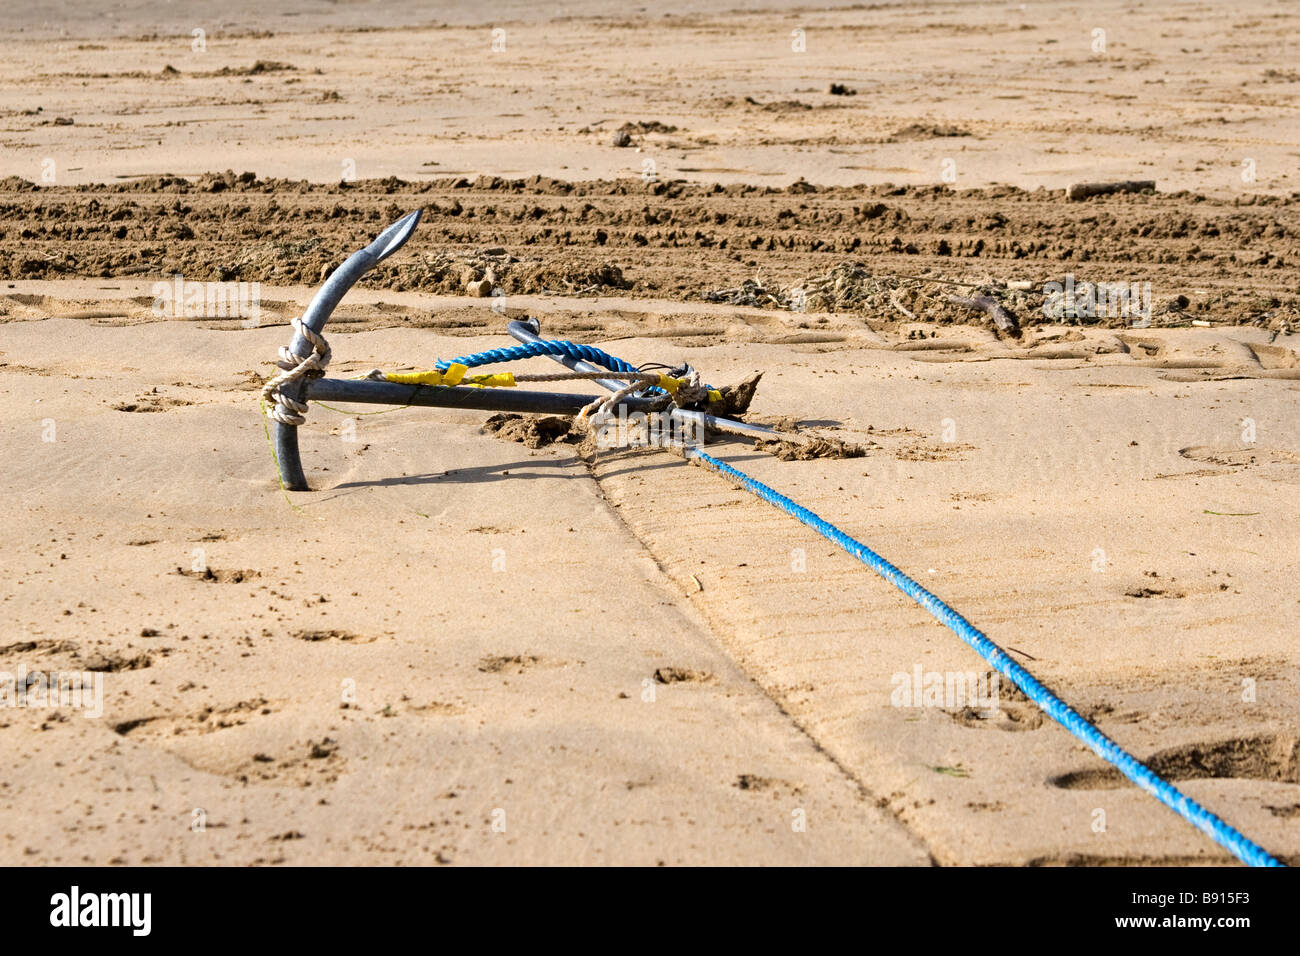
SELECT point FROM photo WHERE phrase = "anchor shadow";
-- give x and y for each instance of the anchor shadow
(477, 473)
(534, 469)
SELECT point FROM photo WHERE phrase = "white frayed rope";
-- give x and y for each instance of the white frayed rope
(280, 407)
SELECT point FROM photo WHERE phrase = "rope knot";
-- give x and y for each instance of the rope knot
(282, 408)
(692, 390)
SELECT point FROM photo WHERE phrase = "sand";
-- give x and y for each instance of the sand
(457, 649)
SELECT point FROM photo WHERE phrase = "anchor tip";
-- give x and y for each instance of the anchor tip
(395, 236)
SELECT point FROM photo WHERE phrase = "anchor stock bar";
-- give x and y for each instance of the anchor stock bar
(482, 399)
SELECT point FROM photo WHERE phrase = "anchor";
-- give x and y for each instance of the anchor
(302, 365)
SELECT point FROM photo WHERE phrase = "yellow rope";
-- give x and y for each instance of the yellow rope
(455, 375)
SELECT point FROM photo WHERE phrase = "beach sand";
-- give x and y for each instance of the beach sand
(459, 649)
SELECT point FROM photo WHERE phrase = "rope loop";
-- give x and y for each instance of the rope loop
(282, 408)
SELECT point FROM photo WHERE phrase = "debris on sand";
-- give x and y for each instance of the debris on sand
(811, 449)
(258, 68)
(751, 293)
(649, 126)
(479, 287)
(776, 106)
(919, 131)
(1078, 191)
(533, 432)
(851, 287)
(680, 675)
(839, 89)
(624, 135)
(736, 398)
(482, 274)
(845, 285)
(991, 307)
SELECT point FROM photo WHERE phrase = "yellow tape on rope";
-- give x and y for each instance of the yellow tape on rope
(453, 375)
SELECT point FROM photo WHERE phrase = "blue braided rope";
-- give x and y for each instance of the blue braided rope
(1146, 779)
(543, 347)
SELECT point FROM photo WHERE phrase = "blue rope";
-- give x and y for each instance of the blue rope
(1146, 779)
(542, 347)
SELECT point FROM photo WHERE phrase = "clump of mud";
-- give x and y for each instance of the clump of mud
(1207, 260)
(626, 135)
(810, 449)
(921, 131)
(496, 272)
(736, 398)
(533, 432)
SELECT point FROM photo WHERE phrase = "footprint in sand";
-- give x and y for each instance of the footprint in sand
(1240, 457)
(1271, 757)
(236, 741)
